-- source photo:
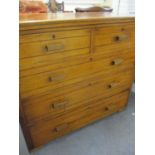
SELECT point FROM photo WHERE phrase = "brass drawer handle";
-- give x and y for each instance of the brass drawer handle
(61, 127)
(112, 85)
(120, 38)
(60, 105)
(117, 61)
(56, 78)
(52, 47)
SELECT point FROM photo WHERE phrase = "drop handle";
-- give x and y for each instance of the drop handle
(117, 62)
(56, 78)
(51, 48)
(59, 105)
(112, 85)
(120, 38)
(61, 127)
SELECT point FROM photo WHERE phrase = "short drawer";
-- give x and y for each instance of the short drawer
(53, 128)
(118, 34)
(61, 78)
(48, 47)
(53, 35)
(55, 103)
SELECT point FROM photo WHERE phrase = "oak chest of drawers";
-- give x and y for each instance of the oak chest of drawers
(74, 69)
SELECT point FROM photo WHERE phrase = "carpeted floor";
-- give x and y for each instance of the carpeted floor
(113, 135)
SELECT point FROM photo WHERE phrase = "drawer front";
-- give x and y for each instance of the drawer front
(53, 46)
(59, 78)
(50, 129)
(119, 34)
(56, 61)
(29, 66)
(54, 104)
(53, 35)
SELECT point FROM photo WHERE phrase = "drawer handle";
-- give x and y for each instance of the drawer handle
(52, 47)
(61, 127)
(55, 78)
(117, 61)
(112, 85)
(106, 109)
(60, 105)
(120, 38)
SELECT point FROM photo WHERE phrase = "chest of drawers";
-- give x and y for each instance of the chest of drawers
(74, 69)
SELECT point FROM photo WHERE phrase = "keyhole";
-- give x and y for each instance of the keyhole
(53, 36)
(50, 79)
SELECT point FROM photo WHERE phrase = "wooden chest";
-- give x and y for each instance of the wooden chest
(74, 69)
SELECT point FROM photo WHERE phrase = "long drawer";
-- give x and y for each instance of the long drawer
(55, 79)
(47, 47)
(45, 131)
(115, 34)
(55, 103)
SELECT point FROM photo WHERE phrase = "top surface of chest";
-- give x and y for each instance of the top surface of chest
(52, 20)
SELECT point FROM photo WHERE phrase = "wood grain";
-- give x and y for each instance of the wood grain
(41, 80)
(38, 48)
(74, 57)
(74, 69)
(43, 106)
(53, 35)
(59, 20)
(45, 131)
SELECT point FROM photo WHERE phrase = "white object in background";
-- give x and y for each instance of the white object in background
(124, 7)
